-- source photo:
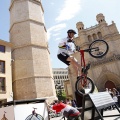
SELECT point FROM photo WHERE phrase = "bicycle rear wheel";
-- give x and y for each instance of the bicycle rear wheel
(86, 89)
(98, 48)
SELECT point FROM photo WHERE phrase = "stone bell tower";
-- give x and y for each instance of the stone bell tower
(32, 72)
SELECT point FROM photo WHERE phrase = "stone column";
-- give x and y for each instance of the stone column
(32, 72)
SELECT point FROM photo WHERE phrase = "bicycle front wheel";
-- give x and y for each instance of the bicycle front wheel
(98, 48)
(87, 88)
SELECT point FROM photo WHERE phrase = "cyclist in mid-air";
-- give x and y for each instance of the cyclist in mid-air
(66, 49)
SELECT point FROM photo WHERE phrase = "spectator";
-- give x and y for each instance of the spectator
(115, 92)
(73, 103)
(111, 93)
(68, 102)
(115, 100)
(106, 89)
(69, 112)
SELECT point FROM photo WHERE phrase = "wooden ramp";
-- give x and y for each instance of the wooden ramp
(93, 105)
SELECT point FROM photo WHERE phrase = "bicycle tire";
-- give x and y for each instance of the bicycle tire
(78, 82)
(103, 48)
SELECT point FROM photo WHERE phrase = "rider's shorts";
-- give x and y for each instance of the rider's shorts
(63, 57)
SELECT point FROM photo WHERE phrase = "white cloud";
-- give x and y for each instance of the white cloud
(69, 10)
(57, 39)
(52, 3)
(54, 29)
(56, 34)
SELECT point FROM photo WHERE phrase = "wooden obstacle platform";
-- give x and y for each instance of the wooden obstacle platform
(93, 106)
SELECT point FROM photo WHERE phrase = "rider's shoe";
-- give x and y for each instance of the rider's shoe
(87, 68)
(78, 77)
(83, 69)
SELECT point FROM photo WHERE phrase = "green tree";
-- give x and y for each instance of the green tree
(61, 95)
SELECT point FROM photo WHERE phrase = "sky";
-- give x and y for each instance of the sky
(61, 15)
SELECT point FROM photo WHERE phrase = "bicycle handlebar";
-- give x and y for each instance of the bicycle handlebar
(85, 50)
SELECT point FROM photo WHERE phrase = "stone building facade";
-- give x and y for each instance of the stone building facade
(105, 72)
(5, 71)
(61, 81)
(31, 68)
(60, 75)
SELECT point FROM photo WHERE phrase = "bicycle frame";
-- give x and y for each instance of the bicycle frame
(96, 49)
(83, 64)
(82, 54)
(82, 58)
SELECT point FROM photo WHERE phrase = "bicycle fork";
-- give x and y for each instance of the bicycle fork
(83, 80)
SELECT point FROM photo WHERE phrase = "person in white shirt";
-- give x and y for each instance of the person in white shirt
(66, 49)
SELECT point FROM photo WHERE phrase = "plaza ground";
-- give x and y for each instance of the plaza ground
(109, 112)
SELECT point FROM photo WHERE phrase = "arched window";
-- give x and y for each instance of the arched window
(110, 85)
(94, 36)
(99, 35)
(89, 38)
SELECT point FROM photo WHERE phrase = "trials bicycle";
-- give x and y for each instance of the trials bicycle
(97, 49)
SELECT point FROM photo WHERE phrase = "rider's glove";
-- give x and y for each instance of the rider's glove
(77, 48)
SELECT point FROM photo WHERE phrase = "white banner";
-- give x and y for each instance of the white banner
(36, 111)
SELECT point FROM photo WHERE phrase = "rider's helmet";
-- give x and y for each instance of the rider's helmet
(71, 31)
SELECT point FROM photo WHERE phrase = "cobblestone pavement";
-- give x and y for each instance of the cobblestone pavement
(109, 112)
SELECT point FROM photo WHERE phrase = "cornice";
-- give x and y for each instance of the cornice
(34, 45)
(34, 1)
(34, 21)
(32, 78)
(5, 43)
(106, 60)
